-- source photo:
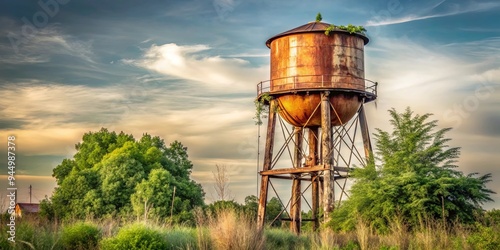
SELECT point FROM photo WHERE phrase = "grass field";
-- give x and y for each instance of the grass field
(232, 230)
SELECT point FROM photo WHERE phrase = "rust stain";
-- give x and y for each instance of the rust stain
(316, 62)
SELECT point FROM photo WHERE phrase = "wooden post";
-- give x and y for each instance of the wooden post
(268, 154)
(313, 146)
(295, 207)
(327, 155)
(365, 133)
(312, 161)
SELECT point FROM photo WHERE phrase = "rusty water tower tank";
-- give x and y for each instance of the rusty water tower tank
(305, 62)
(317, 81)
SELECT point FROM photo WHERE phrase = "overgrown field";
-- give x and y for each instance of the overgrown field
(232, 230)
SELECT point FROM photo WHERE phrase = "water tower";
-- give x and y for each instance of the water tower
(318, 87)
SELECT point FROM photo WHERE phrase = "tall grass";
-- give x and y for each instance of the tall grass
(181, 238)
(228, 229)
(31, 233)
(284, 239)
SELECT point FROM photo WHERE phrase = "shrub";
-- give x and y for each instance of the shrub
(484, 238)
(181, 238)
(284, 239)
(135, 236)
(232, 230)
(30, 234)
(351, 245)
(492, 218)
(80, 235)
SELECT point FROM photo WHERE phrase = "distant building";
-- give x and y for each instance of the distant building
(27, 208)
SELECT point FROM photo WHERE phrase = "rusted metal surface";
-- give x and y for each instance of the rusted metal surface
(338, 58)
(305, 58)
(300, 109)
(298, 84)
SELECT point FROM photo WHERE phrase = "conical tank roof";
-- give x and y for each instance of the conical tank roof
(311, 27)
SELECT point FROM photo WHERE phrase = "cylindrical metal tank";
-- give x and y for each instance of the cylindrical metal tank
(305, 62)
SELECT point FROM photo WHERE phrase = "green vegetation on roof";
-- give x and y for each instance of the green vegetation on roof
(349, 28)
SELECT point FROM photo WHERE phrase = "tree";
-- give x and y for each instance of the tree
(153, 196)
(274, 212)
(96, 145)
(121, 170)
(222, 205)
(111, 173)
(221, 185)
(251, 206)
(68, 198)
(413, 177)
(274, 208)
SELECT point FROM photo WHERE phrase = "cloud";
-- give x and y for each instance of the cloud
(42, 46)
(438, 9)
(188, 10)
(250, 55)
(429, 75)
(189, 63)
(55, 104)
(224, 7)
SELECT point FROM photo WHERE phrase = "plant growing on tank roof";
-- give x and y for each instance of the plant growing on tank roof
(319, 17)
(349, 28)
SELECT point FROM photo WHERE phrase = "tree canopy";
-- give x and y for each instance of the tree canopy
(114, 174)
(412, 177)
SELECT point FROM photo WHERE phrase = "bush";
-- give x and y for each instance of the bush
(484, 238)
(230, 229)
(30, 234)
(351, 245)
(492, 218)
(80, 235)
(25, 234)
(181, 238)
(135, 236)
(284, 239)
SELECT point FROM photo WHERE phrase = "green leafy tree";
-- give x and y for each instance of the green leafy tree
(274, 212)
(274, 208)
(251, 205)
(223, 205)
(96, 145)
(63, 170)
(414, 178)
(109, 169)
(121, 171)
(68, 199)
(177, 156)
(153, 196)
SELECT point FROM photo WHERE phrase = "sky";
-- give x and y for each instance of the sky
(188, 70)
